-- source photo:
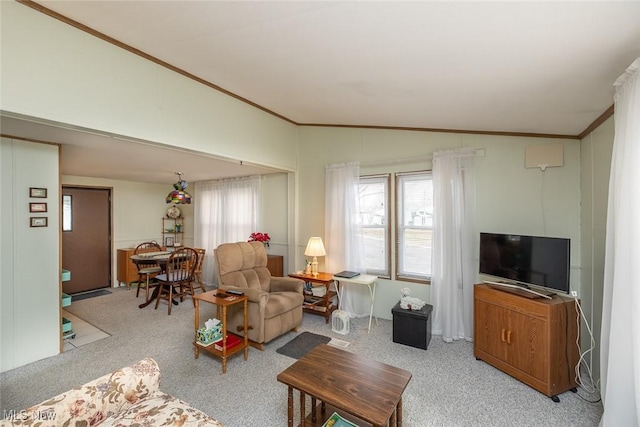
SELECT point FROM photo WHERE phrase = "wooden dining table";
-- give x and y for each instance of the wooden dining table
(151, 258)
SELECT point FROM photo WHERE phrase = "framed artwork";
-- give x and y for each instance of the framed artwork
(37, 207)
(38, 221)
(38, 193)
(169, 241)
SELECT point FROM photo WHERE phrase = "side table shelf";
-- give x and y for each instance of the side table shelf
(326, 306)
(221, 304)
(173, 232)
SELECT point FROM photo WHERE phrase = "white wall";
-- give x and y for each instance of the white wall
(30, 271)
(274, 216)
(597, 149)
(510, 198)
(55, 72)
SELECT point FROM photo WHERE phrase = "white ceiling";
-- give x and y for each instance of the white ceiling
(530, 67)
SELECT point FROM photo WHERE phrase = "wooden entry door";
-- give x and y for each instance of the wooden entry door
(86, 239)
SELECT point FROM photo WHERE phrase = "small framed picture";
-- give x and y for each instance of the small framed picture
(37, 207)
(38, 221)
(39, 193)
(169, 241)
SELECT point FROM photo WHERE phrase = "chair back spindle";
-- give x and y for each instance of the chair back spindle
(177, 280)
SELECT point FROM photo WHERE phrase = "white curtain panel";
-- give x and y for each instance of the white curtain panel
(454, 243)
(226, 211)
(343, 236)
(620, 340)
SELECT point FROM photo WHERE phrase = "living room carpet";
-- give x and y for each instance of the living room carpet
(303, 343)
(449, 386)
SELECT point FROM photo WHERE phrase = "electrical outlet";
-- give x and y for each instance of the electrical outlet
(574, 294)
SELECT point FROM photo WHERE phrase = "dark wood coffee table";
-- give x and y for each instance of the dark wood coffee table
(347, 383)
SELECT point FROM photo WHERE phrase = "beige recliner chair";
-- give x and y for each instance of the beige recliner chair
(275, 303)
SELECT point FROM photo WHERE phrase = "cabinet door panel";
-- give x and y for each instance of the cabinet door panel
(490, 329)
(528, 342)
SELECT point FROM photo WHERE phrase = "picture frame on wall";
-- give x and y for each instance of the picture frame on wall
(38, 193)
(37, 207)
(38, 221)
(169, 241)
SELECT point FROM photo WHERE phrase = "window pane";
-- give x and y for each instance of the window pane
(372, 203)
(67, 212)
(375, 249)
(374, 219)
(418, 202)
(416, 253)
(415, 222)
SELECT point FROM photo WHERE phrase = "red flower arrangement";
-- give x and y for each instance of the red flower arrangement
(260, 237)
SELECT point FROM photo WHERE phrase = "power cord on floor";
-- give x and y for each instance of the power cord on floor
(587, 384)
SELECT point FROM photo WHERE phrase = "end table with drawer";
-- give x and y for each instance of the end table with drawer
(326, 307)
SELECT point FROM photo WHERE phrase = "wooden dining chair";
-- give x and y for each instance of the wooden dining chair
(146, 270)
(198, 273)
(177, 278)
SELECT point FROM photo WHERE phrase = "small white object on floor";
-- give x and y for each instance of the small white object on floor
(340, 322)
(338, 343)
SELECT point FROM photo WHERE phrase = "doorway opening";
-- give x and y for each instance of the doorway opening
(86, 238)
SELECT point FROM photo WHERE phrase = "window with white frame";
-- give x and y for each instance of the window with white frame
(374, 219)
(414, 226)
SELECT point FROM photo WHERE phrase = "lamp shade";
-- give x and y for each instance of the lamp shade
(315, 247)
(179, 195)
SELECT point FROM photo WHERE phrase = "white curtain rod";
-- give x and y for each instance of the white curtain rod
(479, 152)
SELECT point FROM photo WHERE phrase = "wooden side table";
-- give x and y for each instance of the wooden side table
(323, 308)
(221, 313)
(358, 388)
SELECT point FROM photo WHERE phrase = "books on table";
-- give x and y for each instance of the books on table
(335, 420)
(232, 341)
(347, 274)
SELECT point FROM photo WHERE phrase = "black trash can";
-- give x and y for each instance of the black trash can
(412, 327)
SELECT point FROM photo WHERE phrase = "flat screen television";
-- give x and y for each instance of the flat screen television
(526, 260)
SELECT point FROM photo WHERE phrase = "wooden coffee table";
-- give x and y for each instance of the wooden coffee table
(358, 388)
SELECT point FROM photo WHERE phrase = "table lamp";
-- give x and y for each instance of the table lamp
(315, 248)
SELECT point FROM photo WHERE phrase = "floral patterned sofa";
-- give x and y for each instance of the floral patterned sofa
(129, 396)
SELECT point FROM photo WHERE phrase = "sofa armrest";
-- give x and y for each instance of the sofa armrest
(286, 284)
(92, 402)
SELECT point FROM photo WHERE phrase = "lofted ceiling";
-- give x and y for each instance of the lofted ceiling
(514, 67)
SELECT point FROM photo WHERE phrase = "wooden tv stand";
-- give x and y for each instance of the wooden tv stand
(533, 340)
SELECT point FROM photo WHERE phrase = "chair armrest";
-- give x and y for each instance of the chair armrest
(286, 284)
(255, 295)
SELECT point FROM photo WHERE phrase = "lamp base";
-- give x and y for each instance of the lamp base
(314, 267)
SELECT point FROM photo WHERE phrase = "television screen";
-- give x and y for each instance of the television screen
(528, 260)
